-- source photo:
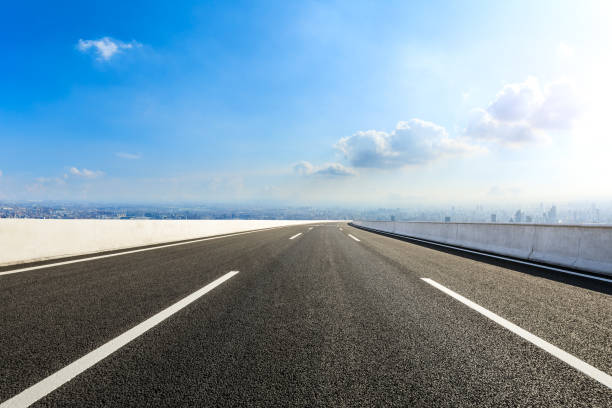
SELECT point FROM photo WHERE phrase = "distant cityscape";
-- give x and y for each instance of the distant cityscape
(565, 213)
(56, 210)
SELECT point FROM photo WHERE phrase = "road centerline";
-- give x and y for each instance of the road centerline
(296, 235)
(562, 355)
(61, 377)
(354, 237)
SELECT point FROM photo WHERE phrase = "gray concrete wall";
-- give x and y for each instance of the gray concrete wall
(587, 248)
(26, 240)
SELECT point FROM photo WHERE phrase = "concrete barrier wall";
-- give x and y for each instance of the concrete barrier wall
(587, 248)
(26, 240)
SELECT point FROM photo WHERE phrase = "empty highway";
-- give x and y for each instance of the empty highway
(324, 315)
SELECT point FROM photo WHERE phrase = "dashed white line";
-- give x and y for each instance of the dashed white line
(33, 268)
(564, 356)
(295, 236)
(61, 377)
(354, 237)
(340, 229)
(309, 228)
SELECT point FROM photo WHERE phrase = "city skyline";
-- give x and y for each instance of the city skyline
(578, 213)
(341, 103)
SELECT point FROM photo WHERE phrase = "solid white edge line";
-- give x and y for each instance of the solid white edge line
(61, 377)
(296, 235)
(550, 268)
(564, 356)
(354, 237)
(32, 268)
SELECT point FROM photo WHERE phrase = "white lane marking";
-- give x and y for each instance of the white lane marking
(296, 235)
(32, 268)
(61, 377)
(354, 237)
(340, 229)
(309, 228)
(550, 268)
(564, 356)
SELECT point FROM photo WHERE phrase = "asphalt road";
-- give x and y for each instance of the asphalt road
(323, 319)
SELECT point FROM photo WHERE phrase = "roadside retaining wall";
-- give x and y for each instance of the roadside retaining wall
(587, 248)
(27, 240)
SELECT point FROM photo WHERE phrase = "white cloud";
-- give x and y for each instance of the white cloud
(1, 173)
(105, 48)
(334, 169)
(522, 113)
(305, 168)
(516, 101)
(129, 156)
(410, 143)
(86, 173)
(559, 109)
(483, 126)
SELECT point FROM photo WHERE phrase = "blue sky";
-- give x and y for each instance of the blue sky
(383, 103)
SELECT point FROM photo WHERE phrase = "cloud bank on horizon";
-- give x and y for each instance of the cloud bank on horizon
(306, 102)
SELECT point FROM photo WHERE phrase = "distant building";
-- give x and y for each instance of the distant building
(528, 218)
(518, 216)
(493, 217)
(551, 215)
(447, 219)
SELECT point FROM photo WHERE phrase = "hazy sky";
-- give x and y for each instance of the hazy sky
(377, 102)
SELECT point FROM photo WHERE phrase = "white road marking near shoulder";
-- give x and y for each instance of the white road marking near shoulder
(564, 356)
(296, 235)
(33, 268)
(61, 377)
(354, 237)
(340, 229)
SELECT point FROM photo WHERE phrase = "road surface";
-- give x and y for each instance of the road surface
(326, 315)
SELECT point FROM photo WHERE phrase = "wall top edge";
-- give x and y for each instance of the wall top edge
(516, 224)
